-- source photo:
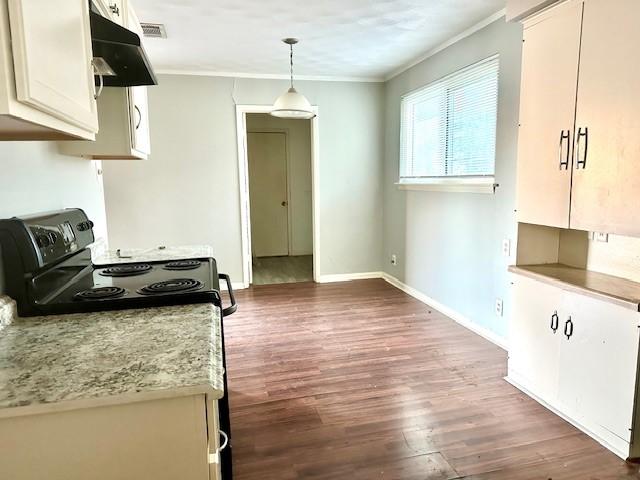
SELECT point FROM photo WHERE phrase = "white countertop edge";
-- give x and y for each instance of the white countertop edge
(125, 398)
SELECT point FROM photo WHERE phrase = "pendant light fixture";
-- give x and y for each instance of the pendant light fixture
(292, 104)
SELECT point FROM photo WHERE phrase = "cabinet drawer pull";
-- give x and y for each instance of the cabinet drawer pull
(581, 159)
(568, 328)
(555, 322)
(564, 159)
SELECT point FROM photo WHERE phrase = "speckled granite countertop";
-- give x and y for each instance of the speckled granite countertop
(70, 361)
(184, 252)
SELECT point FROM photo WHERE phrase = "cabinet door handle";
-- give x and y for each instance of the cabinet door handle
(564, 158)
(226, 441)
(581, 159)
(139, 117)
(555, 322)
(568, 328)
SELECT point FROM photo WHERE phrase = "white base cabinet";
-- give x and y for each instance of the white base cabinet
(166, 439)
(579, 356)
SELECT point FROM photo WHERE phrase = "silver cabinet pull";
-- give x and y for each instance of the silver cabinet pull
(225, 443)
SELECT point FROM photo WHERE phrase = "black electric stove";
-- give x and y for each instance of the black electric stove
(48, 270)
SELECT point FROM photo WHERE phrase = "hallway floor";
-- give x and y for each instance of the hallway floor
(273, 270)
(359, 381)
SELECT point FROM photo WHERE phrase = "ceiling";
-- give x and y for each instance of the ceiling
(367, 39)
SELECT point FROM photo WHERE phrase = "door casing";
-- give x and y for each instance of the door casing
(243, 177)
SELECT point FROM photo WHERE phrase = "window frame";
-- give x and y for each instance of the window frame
(447, 183)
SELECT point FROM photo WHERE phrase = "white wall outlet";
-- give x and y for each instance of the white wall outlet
(601, 237)
(506, 247)
(394, 259)
(499, 307)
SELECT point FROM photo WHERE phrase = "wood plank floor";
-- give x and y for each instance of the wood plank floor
(360, 381)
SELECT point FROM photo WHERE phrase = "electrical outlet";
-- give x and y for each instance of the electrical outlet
(601, 237)
(506, 247)
(394, 259)
(499, 307)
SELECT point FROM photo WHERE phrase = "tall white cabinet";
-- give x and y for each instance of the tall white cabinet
(574, 332)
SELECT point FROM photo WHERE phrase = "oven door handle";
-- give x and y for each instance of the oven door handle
(234, 306)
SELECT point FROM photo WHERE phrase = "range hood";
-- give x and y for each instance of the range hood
(118, 55)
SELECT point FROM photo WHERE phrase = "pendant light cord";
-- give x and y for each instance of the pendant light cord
(291, 63)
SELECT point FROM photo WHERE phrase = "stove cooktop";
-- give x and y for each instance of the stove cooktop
(86, 287)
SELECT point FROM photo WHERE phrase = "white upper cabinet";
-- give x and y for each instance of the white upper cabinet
(578, 150)
(123, 115)
(46, 75)
(606, 176)
(547, 108)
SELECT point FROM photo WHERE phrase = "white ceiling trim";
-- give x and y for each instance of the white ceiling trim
(267, 76)
(468, 32)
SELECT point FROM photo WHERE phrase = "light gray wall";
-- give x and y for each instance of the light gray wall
(187, 192)
(298, 176)
(34, 178)
(449, 245)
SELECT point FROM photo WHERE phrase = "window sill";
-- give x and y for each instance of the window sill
(485, 185)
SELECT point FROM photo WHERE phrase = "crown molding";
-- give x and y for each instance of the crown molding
(468, 32)
(267, 76)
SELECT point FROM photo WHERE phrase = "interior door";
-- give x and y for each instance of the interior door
(51, 43)
(598, 364)
(268, 194)
(533, 343)
(607, 168)
(547, 112)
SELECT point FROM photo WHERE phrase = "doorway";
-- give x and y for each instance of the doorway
(277, 197)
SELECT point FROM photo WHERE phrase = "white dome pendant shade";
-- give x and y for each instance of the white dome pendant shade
(292, 104)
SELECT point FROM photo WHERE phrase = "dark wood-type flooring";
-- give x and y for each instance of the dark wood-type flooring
(359, 381)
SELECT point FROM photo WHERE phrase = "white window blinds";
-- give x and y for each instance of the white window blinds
(448, 128)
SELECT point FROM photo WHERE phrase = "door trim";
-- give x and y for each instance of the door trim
(243, 180)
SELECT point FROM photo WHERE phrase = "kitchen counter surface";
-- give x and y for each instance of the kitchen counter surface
(616, 290)
(72, 361)
(183, 252)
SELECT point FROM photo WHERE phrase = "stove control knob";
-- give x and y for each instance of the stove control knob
(43, 241)
(84, 226)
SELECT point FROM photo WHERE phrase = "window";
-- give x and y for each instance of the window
(448, 128)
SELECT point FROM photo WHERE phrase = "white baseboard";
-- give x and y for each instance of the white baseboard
(608, 440)
(449, 312)
(345, 277)
(234, 285)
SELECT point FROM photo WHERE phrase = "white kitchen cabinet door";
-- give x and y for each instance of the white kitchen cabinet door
(51, 44)
(547, 111)
(139, 115)
(533, 345)
(598, 365)
(606, 177)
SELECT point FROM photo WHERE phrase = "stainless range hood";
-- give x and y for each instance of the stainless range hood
(118, 55)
